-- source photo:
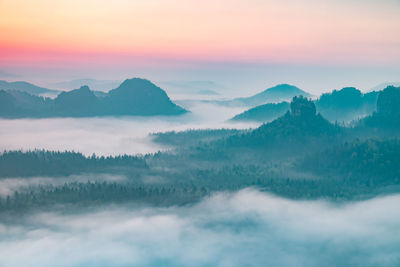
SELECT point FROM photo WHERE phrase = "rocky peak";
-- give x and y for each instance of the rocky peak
(388, 103)
(302, 107)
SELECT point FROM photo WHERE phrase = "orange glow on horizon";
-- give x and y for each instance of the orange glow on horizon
(262, 31)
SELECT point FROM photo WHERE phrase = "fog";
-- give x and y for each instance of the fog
(109, 135)
(247, 228)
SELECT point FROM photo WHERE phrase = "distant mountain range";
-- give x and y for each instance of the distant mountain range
(302, 129)
(263, 113)
(279, 93)
(345, 105)
(290, 132)
(133, 97)
(382, 86)
(25, 87)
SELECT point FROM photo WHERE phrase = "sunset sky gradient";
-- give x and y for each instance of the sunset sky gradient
(93, 33)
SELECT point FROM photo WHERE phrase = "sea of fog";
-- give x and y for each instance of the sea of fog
(110, 135)
(246, 228)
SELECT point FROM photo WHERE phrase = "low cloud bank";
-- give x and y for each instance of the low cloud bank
(108, 135)
(247, 228)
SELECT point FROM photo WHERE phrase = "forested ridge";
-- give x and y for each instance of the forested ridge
(135, 97)
(341, 106)
(53, 163)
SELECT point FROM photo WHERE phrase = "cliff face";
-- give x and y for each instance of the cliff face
(388, 103)
(387, 116)
(302, 107)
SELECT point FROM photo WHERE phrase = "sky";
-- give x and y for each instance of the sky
(356, 40)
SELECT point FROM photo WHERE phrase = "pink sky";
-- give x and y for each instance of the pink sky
(54, 32)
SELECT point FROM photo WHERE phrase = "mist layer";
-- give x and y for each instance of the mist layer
(247, 228)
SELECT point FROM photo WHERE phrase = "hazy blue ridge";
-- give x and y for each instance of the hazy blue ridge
(133, 97)
(277, 93)
(343, 105)
(346, 104)
(263, 113)
(25, 87)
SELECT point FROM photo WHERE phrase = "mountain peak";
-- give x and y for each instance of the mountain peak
(278, 93)
(137, 86)
(350, 88)
(140, 96)
(76, 96)
(389, 101)
(283, 87)
(136, 82)
(302, 107)
(388, 110)
(84, 88)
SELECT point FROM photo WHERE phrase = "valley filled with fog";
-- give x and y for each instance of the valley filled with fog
(103, 136)
(279, 178)
(111, 135)
(199, 133)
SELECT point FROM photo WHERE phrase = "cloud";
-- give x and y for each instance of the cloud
(247, 228)
(109, 135)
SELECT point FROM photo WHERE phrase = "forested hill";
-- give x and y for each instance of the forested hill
(132, 97)
(263, 113)
(276, 94)
(52, 163)
(301, 126)
(193, 137)
(139, 97)
(368, 161)
(346, 104)
(354, 170)
(387, 115)
(343, 105)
